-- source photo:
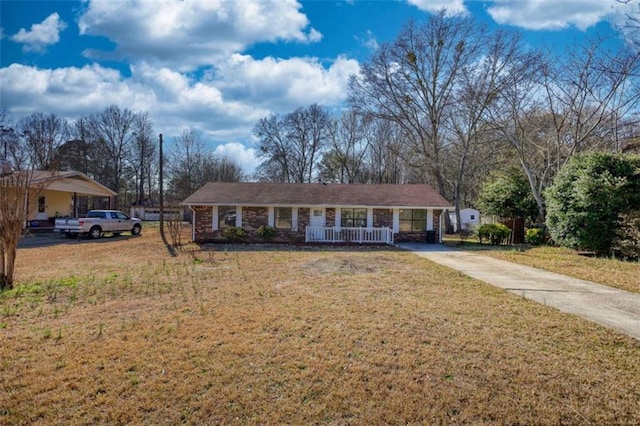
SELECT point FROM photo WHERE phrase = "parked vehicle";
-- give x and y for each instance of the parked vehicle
(97, 223)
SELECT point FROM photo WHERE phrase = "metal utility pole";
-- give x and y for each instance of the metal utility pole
(161, 197)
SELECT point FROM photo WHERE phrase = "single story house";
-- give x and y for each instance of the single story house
(468, 219)
(319, 212)
(65, 193)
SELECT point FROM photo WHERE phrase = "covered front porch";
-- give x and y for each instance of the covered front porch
(67, 193)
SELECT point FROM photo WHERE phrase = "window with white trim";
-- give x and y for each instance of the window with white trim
(413, 220)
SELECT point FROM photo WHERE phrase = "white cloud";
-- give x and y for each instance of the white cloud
(224, 104)
(282, 85)
(41, 35)
(370, 41)
(189, 34)
(70, 92)
(623, 19)
(454, 7)
(550, 14)
(186, 69)
(245, 156)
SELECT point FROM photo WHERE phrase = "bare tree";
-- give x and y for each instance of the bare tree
(191, 166)
(276, 148)
(385, 154)
(224, 169)
(144, 155)
(9, 142)
(19, 189)
(554, 108)
(471, 144)
(42, 134)
(307, 129)
(78, 153)
(411, 83)
(345, 160)
(113, 128)
(270, 170)
(294, 142)
(632, 25)
(589, 97)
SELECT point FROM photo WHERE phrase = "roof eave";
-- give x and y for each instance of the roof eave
(379, 206)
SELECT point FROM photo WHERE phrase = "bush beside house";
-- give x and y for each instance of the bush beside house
(589, 204)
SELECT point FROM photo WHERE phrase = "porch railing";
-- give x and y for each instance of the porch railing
(321, 234)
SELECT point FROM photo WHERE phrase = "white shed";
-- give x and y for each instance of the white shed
(468, 219)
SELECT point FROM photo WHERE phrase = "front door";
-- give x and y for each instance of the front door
(317, 217)
(42, 208)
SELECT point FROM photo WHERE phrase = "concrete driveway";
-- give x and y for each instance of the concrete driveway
(613, 308)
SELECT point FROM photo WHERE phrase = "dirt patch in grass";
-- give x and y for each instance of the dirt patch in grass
(124, 333)
(345, 264)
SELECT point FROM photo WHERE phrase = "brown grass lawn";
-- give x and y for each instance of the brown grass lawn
(612, 272)
(118, 331)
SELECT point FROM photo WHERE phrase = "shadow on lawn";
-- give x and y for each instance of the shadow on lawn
(53, 239)
(471, 245)
(300, 247)
(170, 247)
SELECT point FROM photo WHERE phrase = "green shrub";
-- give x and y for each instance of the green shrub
(627, 242)
(508, 194)
(495, 233)
(534, 236)
(234, 235)
(587, 198)
(266, 232)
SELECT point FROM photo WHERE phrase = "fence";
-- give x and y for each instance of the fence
(321, 234)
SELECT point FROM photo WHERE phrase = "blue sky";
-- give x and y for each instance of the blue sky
(220, 65)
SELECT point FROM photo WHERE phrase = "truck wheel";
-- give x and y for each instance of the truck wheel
(136, 230)
(95, 232)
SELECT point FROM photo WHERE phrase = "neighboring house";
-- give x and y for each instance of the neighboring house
(318, 212)
(468, 219)
(70, 193)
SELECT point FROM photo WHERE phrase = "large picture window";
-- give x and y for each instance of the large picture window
(283, 217)
(413, 220)
(353, 218)
(226, 217)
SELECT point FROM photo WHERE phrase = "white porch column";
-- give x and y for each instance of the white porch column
(369, 217)
(429, 219)
(396, 221)
(238, 216)
(338, 220)
(294, 218)
(271, 216)
(214, 218)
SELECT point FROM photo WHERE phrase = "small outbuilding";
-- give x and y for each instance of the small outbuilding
(318, 213)
(468, 219)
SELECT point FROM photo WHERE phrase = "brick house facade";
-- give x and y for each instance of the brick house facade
(411, 212)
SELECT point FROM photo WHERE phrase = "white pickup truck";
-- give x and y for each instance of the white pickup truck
(98, 222)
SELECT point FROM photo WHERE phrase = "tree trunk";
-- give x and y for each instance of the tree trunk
(537, 195)
(7, 268)
(4, 282)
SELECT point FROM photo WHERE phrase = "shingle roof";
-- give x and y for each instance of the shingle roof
(311, 194)
(66, 181)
